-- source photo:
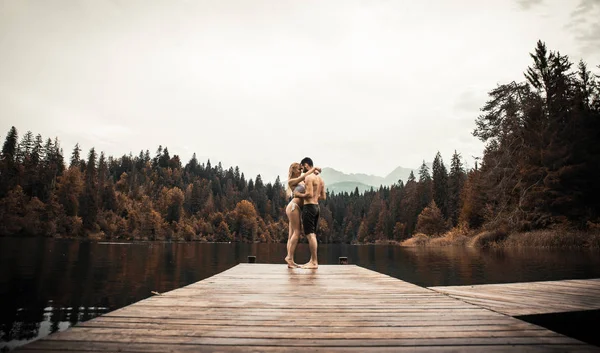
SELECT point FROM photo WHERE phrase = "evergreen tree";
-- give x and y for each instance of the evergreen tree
(157, 157)
(456, 181)
(409, 205)
(431, 221)
(9, 149)
(75, 157)
(425, 187)
(37, 152)
(440, 184)
(102, 177)
(89, 198)
(25, 147)
(9, 171)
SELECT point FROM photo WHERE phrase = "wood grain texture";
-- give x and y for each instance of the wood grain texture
(530, 298)
(270, 308)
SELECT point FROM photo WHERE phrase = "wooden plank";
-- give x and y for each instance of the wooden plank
(431, 326)
(60, 346)
(329, 342)
(339, 322)
(530, 298)
(258, 307)
(301, 333)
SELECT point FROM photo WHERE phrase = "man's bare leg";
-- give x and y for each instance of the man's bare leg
(312, 244)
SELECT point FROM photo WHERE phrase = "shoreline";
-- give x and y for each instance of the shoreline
(545, 238)
(539, 239)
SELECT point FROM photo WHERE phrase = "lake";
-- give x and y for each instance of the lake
(47, 285)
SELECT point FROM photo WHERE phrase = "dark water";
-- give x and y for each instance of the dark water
(47, 285)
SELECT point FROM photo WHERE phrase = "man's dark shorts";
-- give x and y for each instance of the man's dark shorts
(310, 218)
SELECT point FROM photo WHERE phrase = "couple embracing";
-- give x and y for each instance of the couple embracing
(305, 191)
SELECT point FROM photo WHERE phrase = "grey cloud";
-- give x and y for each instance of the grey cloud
(585, 26)
(528, 4)
(583, 23)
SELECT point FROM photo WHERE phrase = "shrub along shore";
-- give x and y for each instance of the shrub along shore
(500, 238)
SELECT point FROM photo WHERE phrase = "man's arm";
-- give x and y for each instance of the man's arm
(308, 192)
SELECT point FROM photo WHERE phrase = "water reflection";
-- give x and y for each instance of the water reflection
(46, 285)
(28, 324)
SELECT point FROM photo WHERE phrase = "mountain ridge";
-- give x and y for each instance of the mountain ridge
(338, 181)
(332, 176)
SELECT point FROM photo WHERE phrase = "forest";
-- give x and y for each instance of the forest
(539, 170)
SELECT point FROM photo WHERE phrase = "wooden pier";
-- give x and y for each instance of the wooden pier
(530, 298)
(337, 308)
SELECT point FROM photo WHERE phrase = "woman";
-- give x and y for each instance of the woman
(293, 209)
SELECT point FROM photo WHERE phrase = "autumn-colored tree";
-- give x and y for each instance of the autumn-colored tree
(539, 160)
(174, 205)
(399, 231)
(13, 209)
(431, 221)
(363, 232)
(70, 187)
(245, 222)
(222, 233)
(472, 201)
(539, 168)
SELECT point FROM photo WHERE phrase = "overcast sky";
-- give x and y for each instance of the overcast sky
(359, 86)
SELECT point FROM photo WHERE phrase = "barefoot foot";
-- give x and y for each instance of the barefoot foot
(291, 263)
(310, 265)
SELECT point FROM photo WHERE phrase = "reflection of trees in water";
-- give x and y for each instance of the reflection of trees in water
(60, 283)
(28, 324)
(79, 275)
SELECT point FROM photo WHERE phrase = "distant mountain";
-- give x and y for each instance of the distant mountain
(337, 181)
(401, 173)
(348, 186)
(332, 176)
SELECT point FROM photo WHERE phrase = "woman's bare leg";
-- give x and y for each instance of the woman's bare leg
(294, 227)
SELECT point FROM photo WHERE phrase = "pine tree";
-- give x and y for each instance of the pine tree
(75, 157)
(9, 149)
(192, 166)
(38, 152)
(431, 221)
(102, 177)
(25, 147)
(440, 184)
(456, 180)
(157, 157)
(425, 187)
(89, 198)
(409, 205)
(9, 171)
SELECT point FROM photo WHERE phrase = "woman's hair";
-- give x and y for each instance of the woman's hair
(290, 172)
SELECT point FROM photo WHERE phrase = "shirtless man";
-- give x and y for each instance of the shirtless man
(315, 191)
